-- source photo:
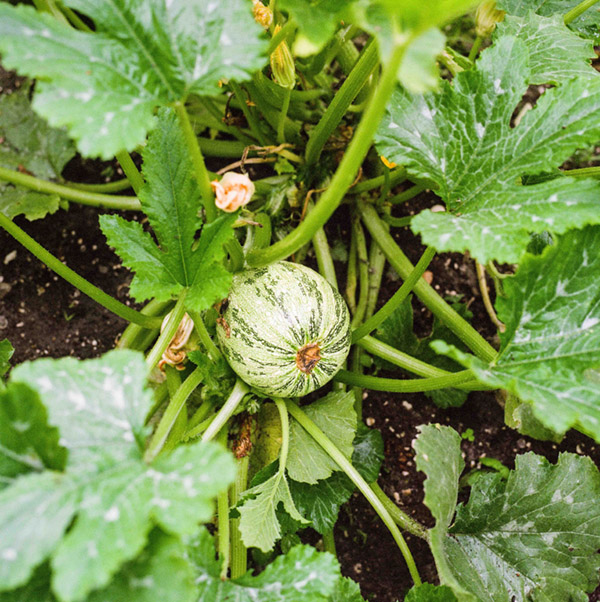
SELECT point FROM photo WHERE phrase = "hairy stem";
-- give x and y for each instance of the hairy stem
(130, 170)
(170, 416)
(338, 457)
(239, 555)
(205, 339)
(106, 187)
(362, 261)
(394, 385)
(578, 10)
(87, 288)
(341, 101)
(206, 191)
(227, 410)
(168, 332)
(485, 296)
(223, 532)
(83, 197)
(131, 334)
(285, 105)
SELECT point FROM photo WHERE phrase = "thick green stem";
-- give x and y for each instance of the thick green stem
(400, 518)
(338, 457)
(168, 332)
(285, 105)
(394, 385)
(180, 426)
(239, 555)
(344, 176)
(106, 187)
(329, 543)
(227, 410)
(83, 197)
(341, 101)
(223, 532)
(206, 191)
(376, 267)
(205, 339)
(399, 358)
(426, 293)
(352, 275)
(130, 170)
(170, 416)
(475, 48)
(578, 10)
(248, 114)
(131, 334)
(583, 172)
(411, 193)
(323, 255)
(362, 261)
(118, 308)
(397, 176)
(390, 307)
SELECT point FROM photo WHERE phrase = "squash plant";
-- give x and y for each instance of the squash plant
(111, 468)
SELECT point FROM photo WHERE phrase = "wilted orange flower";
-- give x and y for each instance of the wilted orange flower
(388, 164)
(233, 191)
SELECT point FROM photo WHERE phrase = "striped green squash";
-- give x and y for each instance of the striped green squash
(285, 330)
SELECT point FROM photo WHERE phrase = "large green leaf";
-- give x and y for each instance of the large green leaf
(301, 575)
(171, 200)
(551, 346)
(27, 443)
(160, 572)
(476, 167)
(111, 497)
(99, 406)
(534, 536)
(556, 54)
(334, 414)
(587, 23)
(105, 86)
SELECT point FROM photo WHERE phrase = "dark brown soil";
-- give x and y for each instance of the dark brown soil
(44, 316)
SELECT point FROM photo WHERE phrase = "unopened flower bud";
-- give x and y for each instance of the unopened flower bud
(282, 64)
(262, 14)
(486, 18)
(233, 191)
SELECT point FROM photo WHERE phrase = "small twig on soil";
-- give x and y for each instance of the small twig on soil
(485, 295)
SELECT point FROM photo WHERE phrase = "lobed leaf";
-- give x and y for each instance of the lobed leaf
(551, 346)
(534, 536)
(476, 166)
(556, 54)
(104, 86)
(99, 406)
(111, 497)
(586, 24)
(171, 200)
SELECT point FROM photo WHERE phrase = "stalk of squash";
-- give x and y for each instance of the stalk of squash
(285, 329)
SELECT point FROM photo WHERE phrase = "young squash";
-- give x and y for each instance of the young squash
(285, 329)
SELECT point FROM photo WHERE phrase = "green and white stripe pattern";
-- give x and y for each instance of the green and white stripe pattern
(272, 314)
